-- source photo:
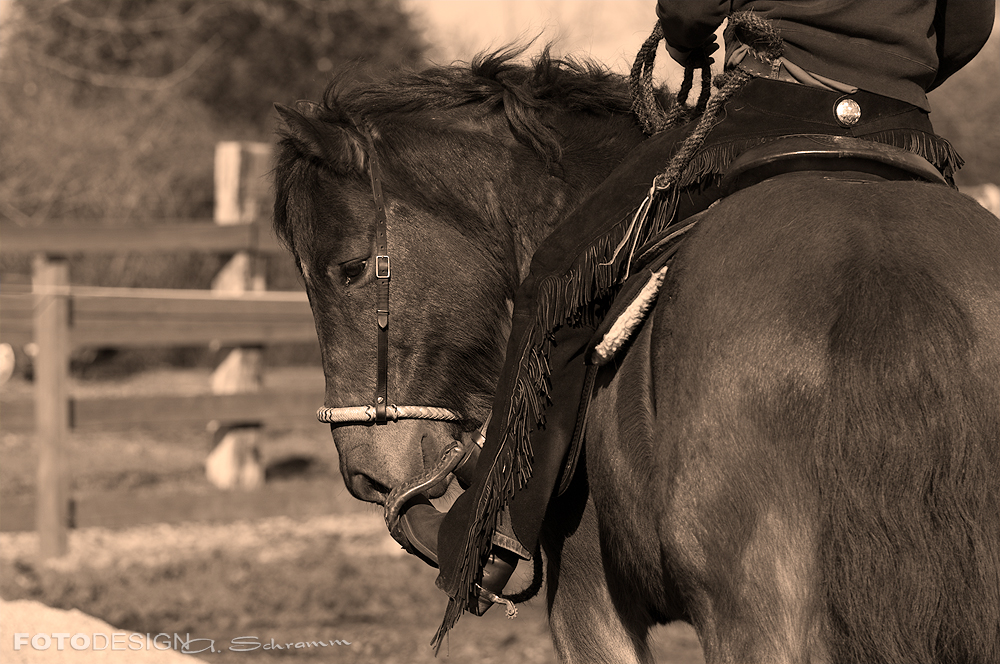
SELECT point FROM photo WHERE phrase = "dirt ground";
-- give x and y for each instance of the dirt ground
(246, 588)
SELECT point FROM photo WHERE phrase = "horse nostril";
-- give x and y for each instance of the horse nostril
(368, 489)
(361, 485)
(377, 486)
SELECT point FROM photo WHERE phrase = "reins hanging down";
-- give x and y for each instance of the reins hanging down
(380, 411)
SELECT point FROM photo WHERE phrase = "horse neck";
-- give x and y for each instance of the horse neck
(503, 194)
(544, 194)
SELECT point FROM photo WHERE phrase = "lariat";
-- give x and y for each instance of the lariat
(657, 211)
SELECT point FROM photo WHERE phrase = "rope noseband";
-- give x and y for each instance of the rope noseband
(393, 413)
(381, 411)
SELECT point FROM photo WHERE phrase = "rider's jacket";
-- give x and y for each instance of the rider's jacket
(895, 48)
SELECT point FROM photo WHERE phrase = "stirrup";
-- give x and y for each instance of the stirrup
(414, 523)
(405, 493)
(456, 458)
(496, 572)
(417, 530)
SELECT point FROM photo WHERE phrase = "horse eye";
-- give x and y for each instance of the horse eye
(354, 269)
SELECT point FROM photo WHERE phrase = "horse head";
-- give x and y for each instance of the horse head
(478, 163)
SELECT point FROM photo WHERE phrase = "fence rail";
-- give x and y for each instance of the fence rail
(110, 413)
(163, 236)
(134, 317)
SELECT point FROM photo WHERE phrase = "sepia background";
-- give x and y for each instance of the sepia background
(111, 116)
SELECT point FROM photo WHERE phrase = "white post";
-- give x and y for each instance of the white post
(240, 198)
(50, 284)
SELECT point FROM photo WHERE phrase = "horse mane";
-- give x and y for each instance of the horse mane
(571, 83)
(524, 94)
(405, 112)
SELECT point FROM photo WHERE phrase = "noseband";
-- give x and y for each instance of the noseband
(381, 411)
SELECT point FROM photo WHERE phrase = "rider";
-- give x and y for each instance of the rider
(880, 56)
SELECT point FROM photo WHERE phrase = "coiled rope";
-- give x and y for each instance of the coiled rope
(750, 29)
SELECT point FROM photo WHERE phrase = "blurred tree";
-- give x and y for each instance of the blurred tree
(236, 56)
(964, 110)
(112, 109)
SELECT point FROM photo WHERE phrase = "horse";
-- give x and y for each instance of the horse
(799, 454)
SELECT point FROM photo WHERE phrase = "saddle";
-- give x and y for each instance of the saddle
(795, 153)
(823, 152)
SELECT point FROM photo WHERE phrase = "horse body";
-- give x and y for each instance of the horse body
(804, 442)
(799, 453)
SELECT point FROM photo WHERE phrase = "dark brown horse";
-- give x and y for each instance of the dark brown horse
(800, 452)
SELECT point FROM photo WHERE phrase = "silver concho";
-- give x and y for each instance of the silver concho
(848, 112)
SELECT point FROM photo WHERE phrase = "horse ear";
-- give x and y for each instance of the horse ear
(339, 146)
(310, 109)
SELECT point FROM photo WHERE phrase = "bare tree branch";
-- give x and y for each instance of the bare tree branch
(134, 82)
(138, 26)
(14, 214)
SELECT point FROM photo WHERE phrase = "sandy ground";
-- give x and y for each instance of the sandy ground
(268, 540)
(293, 579)
(29, 634)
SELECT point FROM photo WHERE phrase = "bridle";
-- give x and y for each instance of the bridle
(381, 412)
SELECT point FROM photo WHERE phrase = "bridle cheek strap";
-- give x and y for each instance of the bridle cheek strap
(383, 272)
(381, 412)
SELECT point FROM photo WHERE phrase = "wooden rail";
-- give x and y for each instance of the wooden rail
(110, 413)
(138, 317)
(163, 236)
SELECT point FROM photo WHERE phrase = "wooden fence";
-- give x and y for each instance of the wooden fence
(59, 318)
(68, 318)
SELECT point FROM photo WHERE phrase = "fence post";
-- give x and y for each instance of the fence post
(240, 198)
(50, 283)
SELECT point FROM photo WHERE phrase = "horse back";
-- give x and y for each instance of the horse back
(821, 434)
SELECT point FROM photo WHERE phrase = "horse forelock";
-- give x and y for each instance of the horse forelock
(299, 193)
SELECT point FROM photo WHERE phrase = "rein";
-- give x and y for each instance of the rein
(381, 412)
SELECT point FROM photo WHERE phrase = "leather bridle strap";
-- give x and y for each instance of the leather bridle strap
(383, 272)
(381, 411)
